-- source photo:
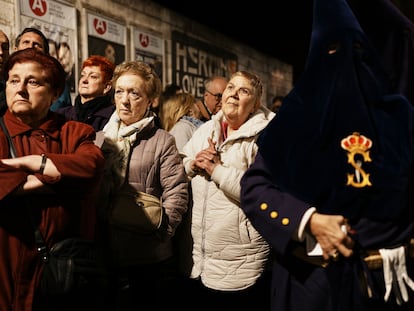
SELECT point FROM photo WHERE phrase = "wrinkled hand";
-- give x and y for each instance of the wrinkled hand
(395, 274)
(32, 185)
(328, 232)
(207, 159)
(31, 165)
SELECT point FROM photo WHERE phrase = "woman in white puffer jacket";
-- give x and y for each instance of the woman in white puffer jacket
(229, 256)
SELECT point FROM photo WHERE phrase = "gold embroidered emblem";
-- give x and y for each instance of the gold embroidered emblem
(357, 144)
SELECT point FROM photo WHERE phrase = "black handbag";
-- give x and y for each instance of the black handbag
(74, 266)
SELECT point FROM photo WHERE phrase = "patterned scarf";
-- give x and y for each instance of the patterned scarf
(119, 139)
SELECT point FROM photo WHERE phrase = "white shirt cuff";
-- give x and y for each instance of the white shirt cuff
(305, 219)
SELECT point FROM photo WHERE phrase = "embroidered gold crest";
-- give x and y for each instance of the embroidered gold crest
(357, 144)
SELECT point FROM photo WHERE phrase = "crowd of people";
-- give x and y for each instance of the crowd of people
(257, 213)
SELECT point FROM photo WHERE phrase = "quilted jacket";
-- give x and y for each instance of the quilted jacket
(228, 252)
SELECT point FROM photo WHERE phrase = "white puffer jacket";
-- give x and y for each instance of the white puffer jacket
(228, 253)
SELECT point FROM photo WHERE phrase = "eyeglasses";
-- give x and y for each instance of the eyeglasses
(217, 96)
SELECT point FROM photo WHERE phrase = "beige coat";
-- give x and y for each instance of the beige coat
(155, 167)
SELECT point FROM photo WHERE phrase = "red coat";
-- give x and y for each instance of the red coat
(70, 145)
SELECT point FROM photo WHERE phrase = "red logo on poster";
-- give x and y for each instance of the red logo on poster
(38, 7)
(100, 26)
(144, 40)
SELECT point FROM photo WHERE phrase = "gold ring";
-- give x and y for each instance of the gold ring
(334, 255)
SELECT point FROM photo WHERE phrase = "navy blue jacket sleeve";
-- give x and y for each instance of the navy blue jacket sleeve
(276, 215)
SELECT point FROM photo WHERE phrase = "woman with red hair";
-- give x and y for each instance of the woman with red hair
(93, 104)
(57, 168)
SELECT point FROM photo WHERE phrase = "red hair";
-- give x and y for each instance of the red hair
(106, 66)
(55, 74)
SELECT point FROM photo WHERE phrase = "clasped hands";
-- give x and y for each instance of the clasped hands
(206, 160)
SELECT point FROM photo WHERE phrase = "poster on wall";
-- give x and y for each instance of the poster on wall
(193, 61)
(7, 13)
(58, 23)
(106, 38)
(7, 30)
(148, 48)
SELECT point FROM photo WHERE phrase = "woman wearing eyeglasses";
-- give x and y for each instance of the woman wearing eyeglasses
(229, 256)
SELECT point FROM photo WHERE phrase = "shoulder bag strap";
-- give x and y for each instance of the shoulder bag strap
(12, 149)
(40, 243)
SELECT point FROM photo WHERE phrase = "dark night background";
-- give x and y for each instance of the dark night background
(279, 28)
